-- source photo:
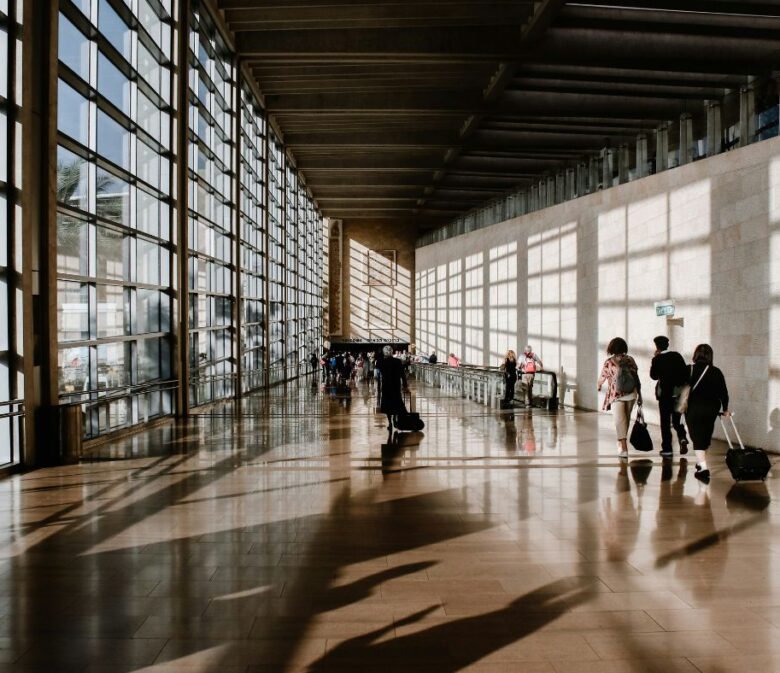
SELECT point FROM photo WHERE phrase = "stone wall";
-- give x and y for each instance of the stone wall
(377, 281)
(569, 278)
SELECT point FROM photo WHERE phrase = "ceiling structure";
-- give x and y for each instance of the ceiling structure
(415, 111)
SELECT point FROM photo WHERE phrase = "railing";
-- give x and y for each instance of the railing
(99, 417)
(484, 385)
(11, 427)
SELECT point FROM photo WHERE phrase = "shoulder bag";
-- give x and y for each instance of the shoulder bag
(685, 392)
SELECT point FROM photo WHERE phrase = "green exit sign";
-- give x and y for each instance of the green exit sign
(664, 308)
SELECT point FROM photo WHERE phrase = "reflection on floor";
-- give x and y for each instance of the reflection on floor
(291, 534)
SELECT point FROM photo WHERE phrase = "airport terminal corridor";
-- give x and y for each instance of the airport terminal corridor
(288, 532)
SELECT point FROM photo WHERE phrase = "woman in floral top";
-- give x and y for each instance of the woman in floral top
(621, 402)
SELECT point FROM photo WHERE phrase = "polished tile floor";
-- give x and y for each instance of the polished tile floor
(289, 534)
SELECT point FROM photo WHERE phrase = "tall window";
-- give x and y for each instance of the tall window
(114, 253)
(211, 218)
(292, 245)
(276, 227)
(253, 242)
(10, 67)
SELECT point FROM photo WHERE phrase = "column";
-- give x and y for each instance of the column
(594, 174)
(661, 148)
(642, 169)
(607, 167)
(714, 128)
(747, 114)
(624, 164)
(686, 139)
(582, 179)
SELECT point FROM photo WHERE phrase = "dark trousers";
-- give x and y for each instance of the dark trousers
(669, 419)
(509, 388)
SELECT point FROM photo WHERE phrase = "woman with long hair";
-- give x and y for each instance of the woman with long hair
(509, 367)
(624, 389)
(708, 398)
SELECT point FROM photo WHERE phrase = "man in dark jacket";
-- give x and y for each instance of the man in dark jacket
(670, 371)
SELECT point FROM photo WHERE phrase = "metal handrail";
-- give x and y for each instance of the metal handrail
(482, 384)
(12, 414)
(102, 395)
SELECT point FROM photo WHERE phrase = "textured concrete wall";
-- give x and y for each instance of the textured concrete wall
(569, 278)
(382, 312)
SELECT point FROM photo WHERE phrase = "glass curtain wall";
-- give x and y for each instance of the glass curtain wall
(253, 242)
(114, 233)
(276, 258)
(115, 227)
(212, 132)
(292, 246)
(11, 409)
(312, 283)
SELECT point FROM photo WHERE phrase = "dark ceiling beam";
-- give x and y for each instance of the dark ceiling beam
(675, 20)
(590, 105)
(481, 44)
(362, 178)
(656, 50)
(376, 15)
(543, 15)
(766, 8)
(358, 103)
(539, 141)
(525, 84)
(375, 162)
(623, 73)
(344, 137)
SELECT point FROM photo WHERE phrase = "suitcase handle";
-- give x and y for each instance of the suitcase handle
(726, 432)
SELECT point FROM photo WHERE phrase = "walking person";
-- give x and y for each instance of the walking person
(624, 389)
(669, 370)
(531, 364)
(509, 368)
(392, 386)
(708, 398)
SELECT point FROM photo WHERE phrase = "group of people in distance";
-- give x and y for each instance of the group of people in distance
(696, 390)
(527, 367)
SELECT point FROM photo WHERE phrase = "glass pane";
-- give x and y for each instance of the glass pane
(113, 140)
(112, 257)
(111, 369)
(114, 28)
(148, 311)
(74, 370)
(148, 262)
(4, 60)
(148, 162)
(72, 179)
(113, 84)
(113, 197)
(148, 213)
(72, 311)
(73, 48)
(148, 116)
(148, 360)
(110, 311)
(72, 245)
(72, 113)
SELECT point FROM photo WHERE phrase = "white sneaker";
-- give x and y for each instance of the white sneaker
(623, 455)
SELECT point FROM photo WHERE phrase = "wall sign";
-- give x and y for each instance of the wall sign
(664, 308)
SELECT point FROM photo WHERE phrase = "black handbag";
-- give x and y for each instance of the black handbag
(640, 436)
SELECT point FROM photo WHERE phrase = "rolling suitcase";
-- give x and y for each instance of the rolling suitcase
(411, 421)
(745, 464)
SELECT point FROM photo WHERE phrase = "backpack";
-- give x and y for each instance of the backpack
(529, 366)
(625, 381)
